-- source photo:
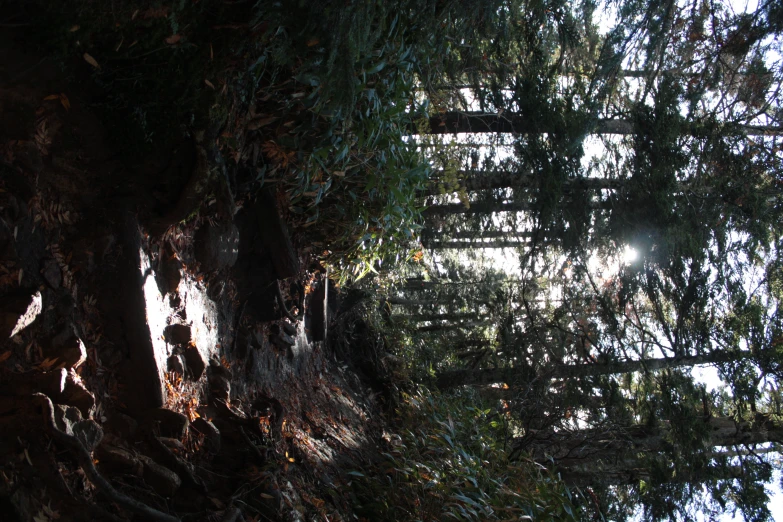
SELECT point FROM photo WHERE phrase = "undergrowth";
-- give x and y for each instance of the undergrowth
(448, 462)
(445, 455)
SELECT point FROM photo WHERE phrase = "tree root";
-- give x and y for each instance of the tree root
(92, 474)
(177, 465)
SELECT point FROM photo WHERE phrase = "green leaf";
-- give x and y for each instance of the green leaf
(377, 68)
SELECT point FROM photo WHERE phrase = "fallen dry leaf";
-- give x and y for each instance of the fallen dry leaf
(174, 38)
(66, 103)
(92, 61)
(5, 355)
(209, 84)
(48, 363)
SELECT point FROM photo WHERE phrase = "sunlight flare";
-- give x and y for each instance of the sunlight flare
(630, 255)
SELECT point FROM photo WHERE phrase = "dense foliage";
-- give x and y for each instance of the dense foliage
(466, 127)
(449, 463)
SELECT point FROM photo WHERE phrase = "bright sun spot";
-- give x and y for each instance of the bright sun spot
(629, 255)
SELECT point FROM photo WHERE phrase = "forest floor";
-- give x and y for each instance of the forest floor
(148, 369)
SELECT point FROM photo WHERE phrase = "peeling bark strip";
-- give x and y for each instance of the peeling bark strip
(479, 122)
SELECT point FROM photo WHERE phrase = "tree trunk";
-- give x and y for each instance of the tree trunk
(615, 453)
(516, 396)
(514, 123)
(475, 180)
(629, 474)
(451, 326)
(490, 234)
(411, 302)
(430, 285)
(456, 245)
(474, 342)
(580, 448)
(448, 316)
(452, 378)
(491, 207)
